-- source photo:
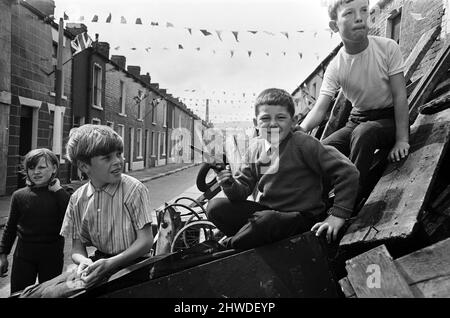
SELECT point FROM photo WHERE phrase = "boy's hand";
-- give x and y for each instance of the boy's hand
(225, 178)
(331, 225)
(3, 265)
(399, 151)
(82, 267)
(97, 272)
(54, 185)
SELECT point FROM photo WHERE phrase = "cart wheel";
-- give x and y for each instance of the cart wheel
(193, 233)
(202, 184)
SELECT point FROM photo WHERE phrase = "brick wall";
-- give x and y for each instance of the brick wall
(31, 58)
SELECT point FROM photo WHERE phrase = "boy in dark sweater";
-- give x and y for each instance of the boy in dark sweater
(288, 170)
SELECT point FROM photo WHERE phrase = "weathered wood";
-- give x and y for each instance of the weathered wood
(347, 288)
(420, 50)
(429, 82)
(296, 267)
(375, 275)
(410, 88)
(339, 115)
(393, 207)
(436, 105)
(433, 288)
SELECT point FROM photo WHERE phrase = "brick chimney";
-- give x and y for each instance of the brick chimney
(146, 78)
(47, 7)
(76, 28)
(135, 70)
(119, 60)
(103, 49)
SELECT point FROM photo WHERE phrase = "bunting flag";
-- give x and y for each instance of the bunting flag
(197, 48)
(232, 53)
(147, 49)
(138, 21)
(108, 19)
(219, 35)
(285, 34)
(284, 53)
(300, 54)
(123, 20)
(235, 33)
(82, 18)
(180, 47)
(95, 18)
(253, 32)
(154, 23)
(190, 30)
(269, 33)
(169, 25)
(249, 53)
(81, 42)
(66, 17)
(116, 48)
(205, 32)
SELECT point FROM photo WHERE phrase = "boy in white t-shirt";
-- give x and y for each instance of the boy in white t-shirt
(369, 69)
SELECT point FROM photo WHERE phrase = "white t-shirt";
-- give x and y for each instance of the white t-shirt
(364, 77)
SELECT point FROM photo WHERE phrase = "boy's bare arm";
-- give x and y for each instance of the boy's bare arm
(317, 113)
(401, 147)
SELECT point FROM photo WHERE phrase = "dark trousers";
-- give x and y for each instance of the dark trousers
(249, 224)
(362, 135)
(42, 260)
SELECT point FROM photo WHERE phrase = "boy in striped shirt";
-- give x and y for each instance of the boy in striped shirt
(111, 212)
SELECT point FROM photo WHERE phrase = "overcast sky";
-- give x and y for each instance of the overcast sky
(204, 67)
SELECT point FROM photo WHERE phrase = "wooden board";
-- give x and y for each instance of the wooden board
(427, 271)
(393, 207)
(420, 50)
(429, 82)
(374, 274)
(295, 267)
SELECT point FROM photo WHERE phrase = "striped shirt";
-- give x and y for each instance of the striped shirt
(108, 218)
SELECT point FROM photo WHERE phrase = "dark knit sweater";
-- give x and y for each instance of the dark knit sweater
(35, 216)
(296, 184)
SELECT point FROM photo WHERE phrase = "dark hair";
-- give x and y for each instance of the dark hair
(89, 141)
(333, 7)
(275, 97)
(32, 158)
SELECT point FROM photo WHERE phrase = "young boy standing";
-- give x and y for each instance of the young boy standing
(110, 212)
(370, 71)
(288, 173)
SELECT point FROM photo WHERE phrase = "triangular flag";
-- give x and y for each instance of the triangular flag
(249, 53)
(300, 31)
(197, 48)
(138, 21)
(123, 20)
(66, 17)
(219, 35)
(116, 48)
(169, 25)
(235, 33)
(180, 47)
(108, 19)
(133, 49)
(254, 32)
(269, 33)
(154, 23)
(267, 53)
(284, 53)
(205, 32)
(285, 34)
(300, 54)
(147, 49)
(95, 18)
(315, 34)
(190, 30)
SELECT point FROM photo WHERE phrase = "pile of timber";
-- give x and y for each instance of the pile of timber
(422, 274)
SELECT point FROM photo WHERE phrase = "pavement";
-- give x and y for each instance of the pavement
(142, 175)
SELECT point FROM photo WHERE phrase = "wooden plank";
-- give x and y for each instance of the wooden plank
(427, 271)
(420, 50)
(393, 207)
(436, 105)
(375, 275)
(347, 288)
(295, 267)
(429, 82)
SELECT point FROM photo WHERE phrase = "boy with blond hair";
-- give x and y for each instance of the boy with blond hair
(369, 69)
(111, 212)
(288, 170)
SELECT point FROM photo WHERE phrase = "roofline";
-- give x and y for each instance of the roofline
(326, 60)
